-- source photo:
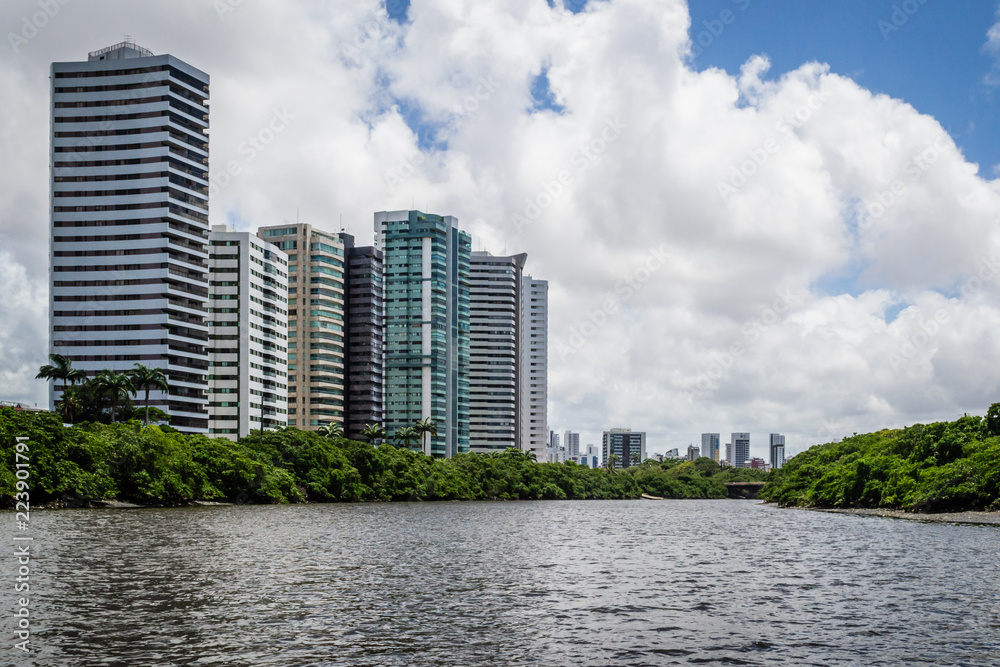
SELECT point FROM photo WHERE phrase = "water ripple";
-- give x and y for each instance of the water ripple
(527, 583)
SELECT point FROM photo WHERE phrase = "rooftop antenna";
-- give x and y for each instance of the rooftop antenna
(296, 215)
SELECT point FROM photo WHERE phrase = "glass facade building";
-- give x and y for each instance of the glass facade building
(427, 320)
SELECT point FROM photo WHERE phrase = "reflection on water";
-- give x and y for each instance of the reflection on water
(520, 583)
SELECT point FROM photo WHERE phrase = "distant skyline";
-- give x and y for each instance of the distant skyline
(769, 222)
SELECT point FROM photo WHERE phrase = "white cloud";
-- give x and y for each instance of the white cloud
(992, 46)
(765, 188)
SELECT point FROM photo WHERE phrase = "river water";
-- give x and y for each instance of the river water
(517, 583)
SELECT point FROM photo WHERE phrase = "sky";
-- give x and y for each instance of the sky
(753, 216)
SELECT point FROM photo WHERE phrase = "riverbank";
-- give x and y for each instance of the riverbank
(971, 518)
(924, 469)
(95, 464)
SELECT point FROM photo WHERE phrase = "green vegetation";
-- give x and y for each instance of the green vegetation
(158, 465)
(942, 467)
(106, 397)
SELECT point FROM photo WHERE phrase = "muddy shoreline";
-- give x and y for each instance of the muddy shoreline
(971, 518)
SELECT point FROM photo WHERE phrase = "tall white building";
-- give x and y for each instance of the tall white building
(740, 450)
(777, 451)
(248, 333)
(571, 441)
(534, 367)
(495, 293)
(129, 261)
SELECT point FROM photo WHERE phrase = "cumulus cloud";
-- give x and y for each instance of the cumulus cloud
(767, 251)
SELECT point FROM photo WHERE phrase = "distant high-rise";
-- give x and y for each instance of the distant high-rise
(628, 445)
(129, 255)
(777, 451)
(710, 445)
(740, 450)
(693, 453)
(495, 352)
(248, 334)
(571, 441)
(534, 366)
(365, 338)
(316, 322)
(427, 264)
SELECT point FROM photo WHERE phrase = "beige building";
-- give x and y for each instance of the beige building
(316, 322)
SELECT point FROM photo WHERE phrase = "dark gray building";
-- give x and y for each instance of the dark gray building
(365, 331)
(628, 445)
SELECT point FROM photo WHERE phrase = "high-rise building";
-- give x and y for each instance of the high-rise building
(495, 352)
(628, 445)
(129, 256)
(777, 451)
(426, 263)
(553, 448)
(316, 322)
(248, 334)
(740, 450)
(693, 453)
(534, 366)
(365, 338)
(571, 441)
(710, 445)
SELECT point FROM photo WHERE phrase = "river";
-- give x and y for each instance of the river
(517, 583)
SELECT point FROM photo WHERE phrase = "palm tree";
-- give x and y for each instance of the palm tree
(611, 463)
(422, 428)
(116, 386)
(69, 404)
(145, 379)
(61, 368)
(373, 432)
(635, 458)
(331, 430)
(407, 435)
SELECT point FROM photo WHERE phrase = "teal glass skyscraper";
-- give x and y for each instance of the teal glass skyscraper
(427, 316)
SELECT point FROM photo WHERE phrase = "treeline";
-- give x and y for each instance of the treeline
(941, 467)
(158, 465)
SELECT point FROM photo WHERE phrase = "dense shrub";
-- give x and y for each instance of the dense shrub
(945, 466)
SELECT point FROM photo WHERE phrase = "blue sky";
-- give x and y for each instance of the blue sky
(935, 59)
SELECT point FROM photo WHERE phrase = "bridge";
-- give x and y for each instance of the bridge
(747, 490)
